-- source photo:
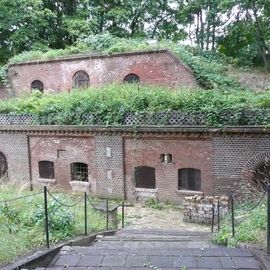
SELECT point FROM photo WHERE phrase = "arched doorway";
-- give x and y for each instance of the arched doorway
(256, 173)
(37, 85)
(81, 79)
(3, 167)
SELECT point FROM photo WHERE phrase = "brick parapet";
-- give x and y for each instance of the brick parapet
(136, 131)
(88, 56)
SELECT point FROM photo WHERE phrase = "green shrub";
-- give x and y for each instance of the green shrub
(61, 220)
(3, 75)
(112, 103)
(250, 227)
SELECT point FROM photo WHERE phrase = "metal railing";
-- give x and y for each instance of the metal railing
(238, 212)
(85, 208)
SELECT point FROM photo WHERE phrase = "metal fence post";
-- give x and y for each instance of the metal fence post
(85, 213)
(123, 215)
(46, 217)
(107, 214)
(232, 213)
(213, 218)
(218, 214)
(268, 219)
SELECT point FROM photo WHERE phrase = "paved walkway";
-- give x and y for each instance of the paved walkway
(153, 249)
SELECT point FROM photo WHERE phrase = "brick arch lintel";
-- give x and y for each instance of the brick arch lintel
(253, 163)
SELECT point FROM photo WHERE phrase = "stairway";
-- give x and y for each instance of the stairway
(153, 249)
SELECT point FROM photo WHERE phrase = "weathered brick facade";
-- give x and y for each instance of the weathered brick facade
(224, 159)
(153, 67)
(15, 149)
(187, 152)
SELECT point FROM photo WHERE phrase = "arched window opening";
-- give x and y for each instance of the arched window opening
(37, 85)
(81, 80)
(46, 169)
(145, 177)
(189, 179)
(3, 167)
(132, 78)
(261, 176)
(79, 172)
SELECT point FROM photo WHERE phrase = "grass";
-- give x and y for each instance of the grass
(250, 227)
(154, 204)
(22, 221)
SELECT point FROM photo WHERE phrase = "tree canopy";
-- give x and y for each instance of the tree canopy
(237, 28)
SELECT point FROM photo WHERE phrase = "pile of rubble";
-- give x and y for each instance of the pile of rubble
(199, 208)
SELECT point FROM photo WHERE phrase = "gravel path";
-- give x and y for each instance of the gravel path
(141, 217)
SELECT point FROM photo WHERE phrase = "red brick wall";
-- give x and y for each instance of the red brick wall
(186, 153)
(158, 68)
(77, 149)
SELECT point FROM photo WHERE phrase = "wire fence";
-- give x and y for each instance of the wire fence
(48, 217)
(247, 220)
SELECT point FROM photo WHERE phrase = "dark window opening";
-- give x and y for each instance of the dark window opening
(79, 172)
(81, 80)
(46, 169)
(3, 167)
(145, 177)
(132, 78)
(261, 176)
(189, 179)
(166, 158)
(37, 85)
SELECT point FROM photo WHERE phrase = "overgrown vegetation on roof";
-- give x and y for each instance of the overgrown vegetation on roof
(112, 103)
(209, 67)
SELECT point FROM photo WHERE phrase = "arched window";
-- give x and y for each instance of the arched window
(145, 177)
(46, 169)
(132, 78)
(79, 172)
(37, 85)
(3, 167)
(189, 179)
(81, 80)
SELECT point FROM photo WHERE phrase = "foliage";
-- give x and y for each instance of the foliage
(112, 103)
(22, 221)
(153, 203)
(61, 220)
(3, 75)
(237, 28)
(250, 226)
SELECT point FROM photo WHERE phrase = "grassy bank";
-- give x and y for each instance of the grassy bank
(22, 221)
(250, 227)
(112, 102)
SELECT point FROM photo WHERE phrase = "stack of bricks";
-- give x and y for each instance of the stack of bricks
(198, 208)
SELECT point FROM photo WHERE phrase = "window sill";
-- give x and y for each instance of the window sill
(149, 190)
(79, 184)
(45, 181)
(189, 192)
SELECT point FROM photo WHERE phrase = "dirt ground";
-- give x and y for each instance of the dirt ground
(142, 217)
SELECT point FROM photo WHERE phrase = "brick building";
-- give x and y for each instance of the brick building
(166, 163)
(156, 67)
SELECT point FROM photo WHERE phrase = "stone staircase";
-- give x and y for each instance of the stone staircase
(153, 249)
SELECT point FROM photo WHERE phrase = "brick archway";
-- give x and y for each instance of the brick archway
(256, 161)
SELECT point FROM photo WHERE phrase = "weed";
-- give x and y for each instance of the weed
(250, 227)
(22, 221)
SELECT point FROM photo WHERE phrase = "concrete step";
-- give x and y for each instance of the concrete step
(206, 252)
(215, 258)
(153, 249)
